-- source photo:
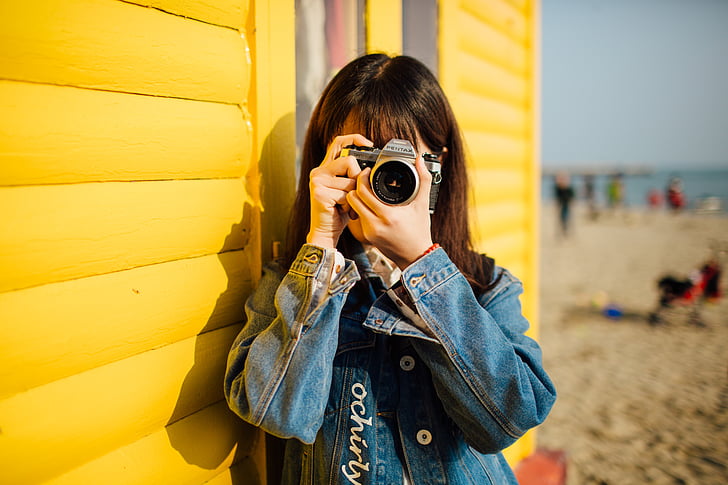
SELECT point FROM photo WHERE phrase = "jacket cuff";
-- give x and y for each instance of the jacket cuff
(323, 265)
(428, 272)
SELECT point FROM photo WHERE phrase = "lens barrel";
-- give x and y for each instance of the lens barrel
(395, 182)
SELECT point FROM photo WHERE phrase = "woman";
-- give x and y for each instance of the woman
(382, 357)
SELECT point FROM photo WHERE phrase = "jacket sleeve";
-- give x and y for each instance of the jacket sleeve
(280, 366)
(486, 371)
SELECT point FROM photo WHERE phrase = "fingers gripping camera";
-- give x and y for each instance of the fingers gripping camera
(394, 178)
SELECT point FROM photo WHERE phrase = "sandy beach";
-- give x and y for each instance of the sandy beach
(637, 403)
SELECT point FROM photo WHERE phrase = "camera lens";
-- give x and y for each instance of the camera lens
(395, 182)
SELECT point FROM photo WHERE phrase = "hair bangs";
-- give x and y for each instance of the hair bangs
(382, 115)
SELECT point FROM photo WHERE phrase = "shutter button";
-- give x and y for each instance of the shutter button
(424, 437)
(407, 363)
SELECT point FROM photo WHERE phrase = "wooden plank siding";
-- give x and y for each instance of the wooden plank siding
(208, 437)
(115, 316)
(491, 43)
(109, 136)
(121, 47)
(227, 13)
(489, 69)
(131, 237)
(62, 232)
(110, 406)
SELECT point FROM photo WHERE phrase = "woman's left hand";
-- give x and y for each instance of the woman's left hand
(401, 233)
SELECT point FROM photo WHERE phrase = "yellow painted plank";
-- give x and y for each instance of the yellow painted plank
(491, 44)
(502, 217)
(497, 151)
(118, 46)
(507, 248)
(384, 26)
(491, 194)
(247, 471)
(511, 178)
(521, 5)
(230, 13)
(196, 449)
(54, 134)
(490, 115)
(60, 232)
(89, 322)
(77, 419)
(485, 79)
(493, 186)
(499, 14)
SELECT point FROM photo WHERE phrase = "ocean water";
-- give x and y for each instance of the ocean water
(698, 184)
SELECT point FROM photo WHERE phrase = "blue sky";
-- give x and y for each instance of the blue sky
(635, 82)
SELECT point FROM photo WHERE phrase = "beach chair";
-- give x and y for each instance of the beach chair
(703, 286)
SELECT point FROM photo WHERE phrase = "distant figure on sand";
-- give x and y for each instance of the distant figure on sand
(654, 199)
(675, 195)
(564, 193)
(590, 196)
(615, 191)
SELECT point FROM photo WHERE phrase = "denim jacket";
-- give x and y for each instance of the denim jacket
(329, 359)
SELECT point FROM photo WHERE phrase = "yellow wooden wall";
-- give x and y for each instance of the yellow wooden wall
(139, 142)
(383, 26)
(130, 138)
(489, 55)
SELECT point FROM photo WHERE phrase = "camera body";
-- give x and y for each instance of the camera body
(394, 178)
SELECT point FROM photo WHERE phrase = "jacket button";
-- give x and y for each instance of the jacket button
(424, 437)
(407, 363)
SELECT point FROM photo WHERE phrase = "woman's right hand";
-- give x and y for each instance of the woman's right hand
(328, 185)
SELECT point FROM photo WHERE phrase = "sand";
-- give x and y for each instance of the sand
(637, 403)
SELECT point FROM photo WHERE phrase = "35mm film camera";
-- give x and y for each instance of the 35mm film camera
(394, 178)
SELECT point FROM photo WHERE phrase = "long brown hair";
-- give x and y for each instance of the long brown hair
(395, 97)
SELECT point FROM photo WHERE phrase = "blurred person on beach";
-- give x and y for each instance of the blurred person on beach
(615, 191)
(617, 197)
(382, 347)
(654, 199)
(675, 195)
(590, 196)
(564, 194)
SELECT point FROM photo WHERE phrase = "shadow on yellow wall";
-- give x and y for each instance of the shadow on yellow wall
(277, 171)
(211, 436)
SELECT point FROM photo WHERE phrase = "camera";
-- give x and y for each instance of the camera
(394, 178)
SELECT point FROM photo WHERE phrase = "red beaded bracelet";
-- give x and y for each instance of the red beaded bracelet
(430, 249)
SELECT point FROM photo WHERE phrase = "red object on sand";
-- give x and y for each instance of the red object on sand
(543, 467)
